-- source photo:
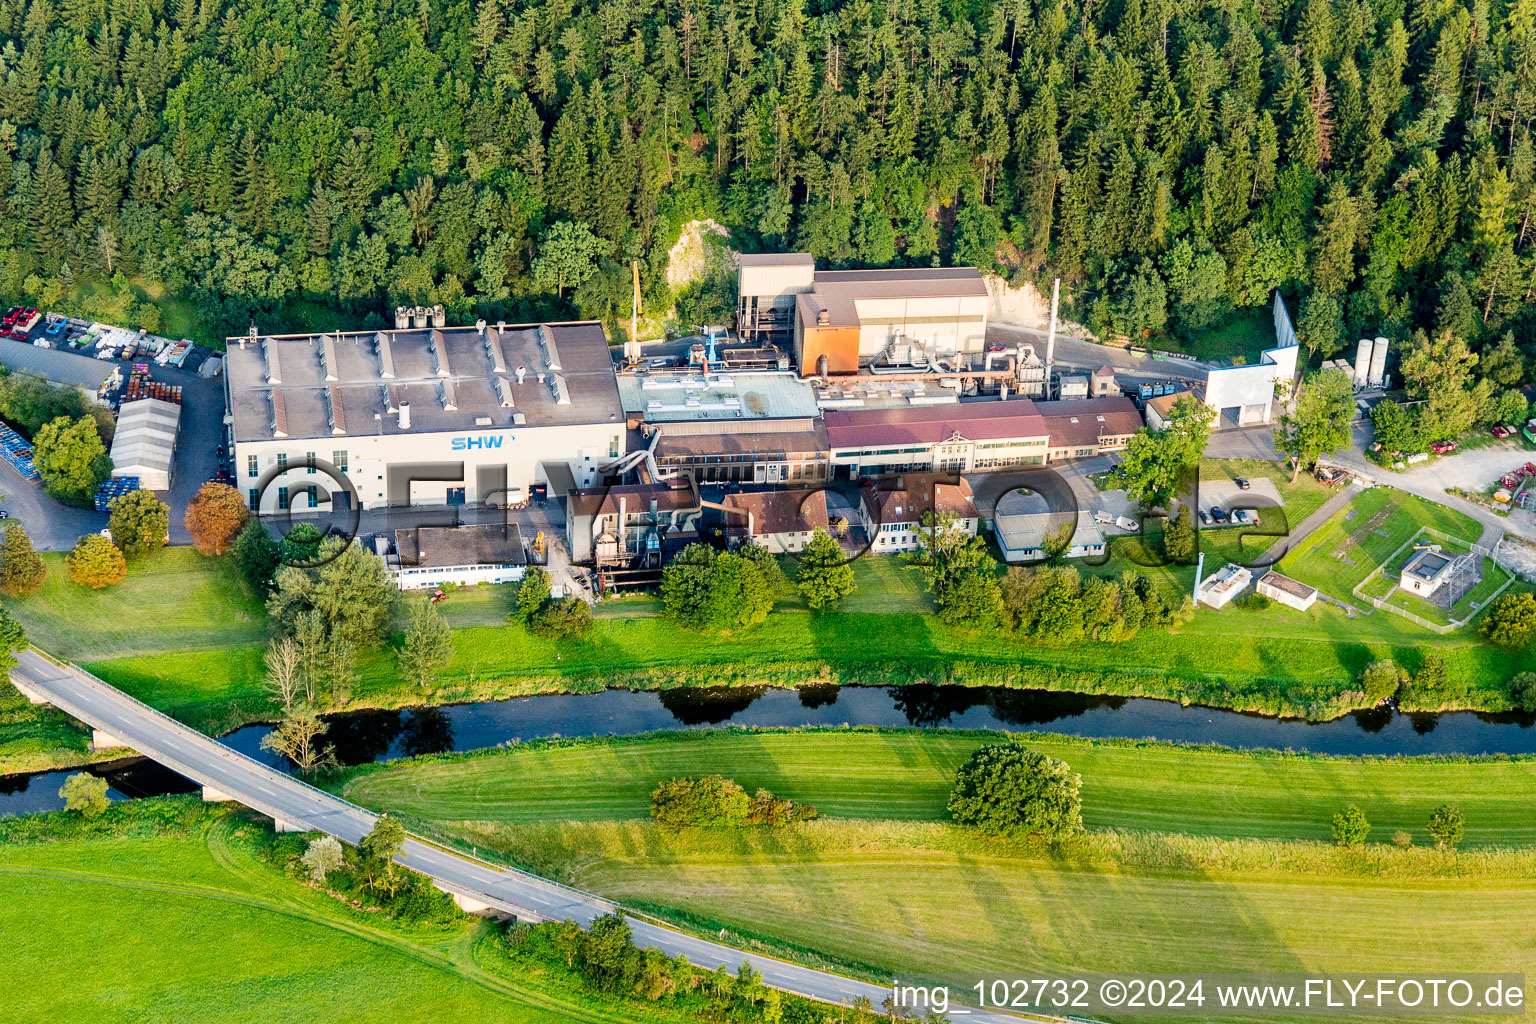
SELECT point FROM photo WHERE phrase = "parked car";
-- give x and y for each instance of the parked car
(1501, 432)
(1205, 518)
(1240, 516)
(1218, 514)
(1242, 483)
(1443, 447)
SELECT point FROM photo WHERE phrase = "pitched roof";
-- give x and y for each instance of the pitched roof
(913, 495)
(1164, 403)
(778, 511)
(931, 424)
(1084, 421)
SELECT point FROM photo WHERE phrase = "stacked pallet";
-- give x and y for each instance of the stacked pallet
(116, 487)
(15, 450)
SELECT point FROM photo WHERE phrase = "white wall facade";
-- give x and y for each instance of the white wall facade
(943, 325)
(464, 463)
(417, 578)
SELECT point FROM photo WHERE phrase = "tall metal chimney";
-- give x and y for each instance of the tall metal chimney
(405, 415)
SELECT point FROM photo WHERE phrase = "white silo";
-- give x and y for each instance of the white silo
(1363, 362)
(1378, 362)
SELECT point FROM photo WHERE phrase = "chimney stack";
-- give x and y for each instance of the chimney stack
(405, 415)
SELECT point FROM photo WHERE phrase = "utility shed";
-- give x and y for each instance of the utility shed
(1289, 592)
(145, 442)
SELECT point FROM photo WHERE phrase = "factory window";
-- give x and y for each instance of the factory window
(340, 459)
(252, 466)
(282, 460)
(613, 447)
(314, 495)
(282, 499)
(254, 494)
(309, 460)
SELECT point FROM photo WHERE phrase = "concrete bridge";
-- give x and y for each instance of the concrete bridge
(120, 721)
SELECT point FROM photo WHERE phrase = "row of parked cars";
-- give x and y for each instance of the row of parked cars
(1218, 516)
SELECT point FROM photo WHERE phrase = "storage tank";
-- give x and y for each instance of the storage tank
(402, 318)
(1378, 362)
(1363, 363)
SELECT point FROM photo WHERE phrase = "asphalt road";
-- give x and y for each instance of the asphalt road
(287, 800)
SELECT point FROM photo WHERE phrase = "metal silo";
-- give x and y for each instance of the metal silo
(1378, 362)
(1363, 363)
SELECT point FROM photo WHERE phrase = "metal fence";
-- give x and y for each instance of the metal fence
(1382, 603)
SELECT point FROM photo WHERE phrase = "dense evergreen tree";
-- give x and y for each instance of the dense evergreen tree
(1169, 161)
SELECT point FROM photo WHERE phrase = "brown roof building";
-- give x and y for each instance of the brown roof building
(892, 515)
(781, 521)
(1089, 427)
(958, 438)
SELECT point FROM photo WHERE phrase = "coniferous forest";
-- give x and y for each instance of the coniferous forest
(1172, 160)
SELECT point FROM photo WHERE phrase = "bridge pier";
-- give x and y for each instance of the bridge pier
(103, 740)
(479, 908)
(216, 796)
(26, 691)
(279, 825)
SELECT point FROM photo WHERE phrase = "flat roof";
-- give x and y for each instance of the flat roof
(1028, 531)
(837, 292)
(1426, 565)
(433, 547)
(453, 379)
(777, 259)
(1295, 588)
(932, 424)
(686, 397)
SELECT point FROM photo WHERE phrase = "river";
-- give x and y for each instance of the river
(365, 736)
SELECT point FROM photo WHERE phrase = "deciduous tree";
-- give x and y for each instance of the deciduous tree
(1318, 423)
(1350, 827)
(427, 646)
(71, 459)
(295, 738)
(1511, 622)
(825, 576)
(139, 522)
(215, 516)
(1446, 826)
(21, 570)
(1156, 462)
(1008, 788)
(86, 794)
(96, 562)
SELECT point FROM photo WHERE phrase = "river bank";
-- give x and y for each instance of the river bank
(390, 735)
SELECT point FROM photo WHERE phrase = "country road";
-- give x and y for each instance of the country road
(294, 804)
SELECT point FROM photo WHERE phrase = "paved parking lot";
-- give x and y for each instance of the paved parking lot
(1261, 493)
(51, 525)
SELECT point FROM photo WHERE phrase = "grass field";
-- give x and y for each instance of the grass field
(184, 634)
(879, 883)
(191, 925)
(173, 600)
(1345, 549)
(906, 775)
(1300, 500)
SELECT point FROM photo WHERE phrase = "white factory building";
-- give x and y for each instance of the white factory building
(1246, 396)
(429, 415)
(836, 321)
